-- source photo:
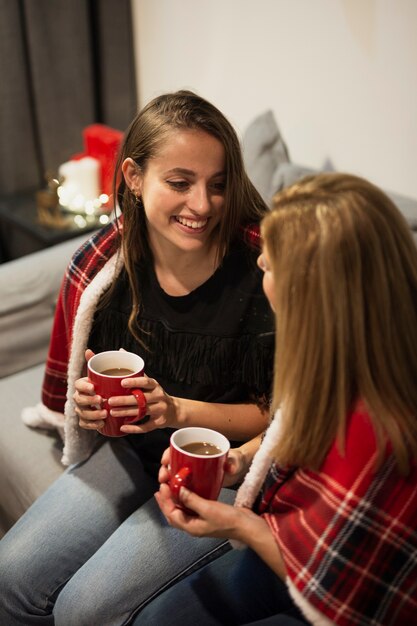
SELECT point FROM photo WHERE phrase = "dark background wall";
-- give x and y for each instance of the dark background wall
(63, 65)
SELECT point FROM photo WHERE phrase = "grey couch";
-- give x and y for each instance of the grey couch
(30, 458)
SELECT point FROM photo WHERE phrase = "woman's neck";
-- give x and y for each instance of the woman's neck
(179, 273)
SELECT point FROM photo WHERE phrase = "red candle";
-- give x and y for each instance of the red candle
(102, 143)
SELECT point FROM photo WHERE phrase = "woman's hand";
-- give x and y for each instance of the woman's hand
(212, 519)
(216, 519)
(87, 402)
(161, 408)
(236, 467)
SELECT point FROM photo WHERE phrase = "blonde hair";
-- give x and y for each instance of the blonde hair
(345, 271)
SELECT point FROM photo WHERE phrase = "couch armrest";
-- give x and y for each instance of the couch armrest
(29, 287)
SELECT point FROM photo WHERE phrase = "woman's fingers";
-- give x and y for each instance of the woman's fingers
(159, 406)
(96, 424)
(166, 456)
(118, 407)
(163, 474)
(88, 354)
(83, 400)
(143, 382)
(87, 405)
(177, 517)
(83, 385)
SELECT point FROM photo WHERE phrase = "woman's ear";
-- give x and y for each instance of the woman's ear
(132, 175)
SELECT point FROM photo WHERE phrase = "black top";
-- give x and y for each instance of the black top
(215, 344)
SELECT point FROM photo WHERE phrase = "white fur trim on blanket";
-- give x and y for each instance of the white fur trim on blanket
(40, 416)
(258, 470)
(79, 442)
(307, 609)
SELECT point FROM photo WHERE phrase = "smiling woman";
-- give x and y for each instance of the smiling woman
(175, 281)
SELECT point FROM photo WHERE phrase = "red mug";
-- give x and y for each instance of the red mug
(106, 370)
(198, 461)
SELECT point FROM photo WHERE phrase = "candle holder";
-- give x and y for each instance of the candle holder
(54, 212)
(49, 211)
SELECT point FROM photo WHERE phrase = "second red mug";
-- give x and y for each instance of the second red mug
(198, 461)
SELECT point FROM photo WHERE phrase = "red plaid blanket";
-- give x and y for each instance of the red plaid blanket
(348, 533)
(85, 264)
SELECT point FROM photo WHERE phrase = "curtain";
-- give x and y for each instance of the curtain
(64, 64)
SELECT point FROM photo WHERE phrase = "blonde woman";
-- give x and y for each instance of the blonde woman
(330, 529)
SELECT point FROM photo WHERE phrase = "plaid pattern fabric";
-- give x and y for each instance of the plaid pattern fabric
(348, 533)
(84, 266)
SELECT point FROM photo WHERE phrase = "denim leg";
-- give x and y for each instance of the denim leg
(237, 588)
(140, 559)
(65, 527)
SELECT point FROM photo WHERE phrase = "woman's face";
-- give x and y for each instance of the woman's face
(268, 280)
(182, 191)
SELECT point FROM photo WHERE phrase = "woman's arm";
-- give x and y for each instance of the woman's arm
(236, 421)
(240, 422)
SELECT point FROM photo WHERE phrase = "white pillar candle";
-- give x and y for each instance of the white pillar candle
(80, 182)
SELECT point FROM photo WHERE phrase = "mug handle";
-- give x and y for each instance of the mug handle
(181, 479)
(141, 402)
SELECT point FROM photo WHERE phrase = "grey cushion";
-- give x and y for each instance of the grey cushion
(30, 459)
(407, 206)
(264, 151)
(269, 167)
(288, 173)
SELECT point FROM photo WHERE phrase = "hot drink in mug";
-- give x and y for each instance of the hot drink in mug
(106, 370)
(198, 460)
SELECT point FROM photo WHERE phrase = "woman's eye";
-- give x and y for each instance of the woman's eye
(219, 186)
(184, 185)
(178, 185)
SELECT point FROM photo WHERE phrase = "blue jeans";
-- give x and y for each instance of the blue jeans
(95, 547)
(237, 588)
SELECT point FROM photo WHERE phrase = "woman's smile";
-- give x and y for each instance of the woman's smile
(194, 225)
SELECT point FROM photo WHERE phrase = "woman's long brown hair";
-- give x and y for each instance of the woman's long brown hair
(145, 136)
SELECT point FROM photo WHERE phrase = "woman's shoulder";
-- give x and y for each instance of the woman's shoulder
(358, 452)
(104, 242)
(95, 251)
(357, 519)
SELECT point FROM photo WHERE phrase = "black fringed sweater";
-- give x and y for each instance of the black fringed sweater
(215, 344)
